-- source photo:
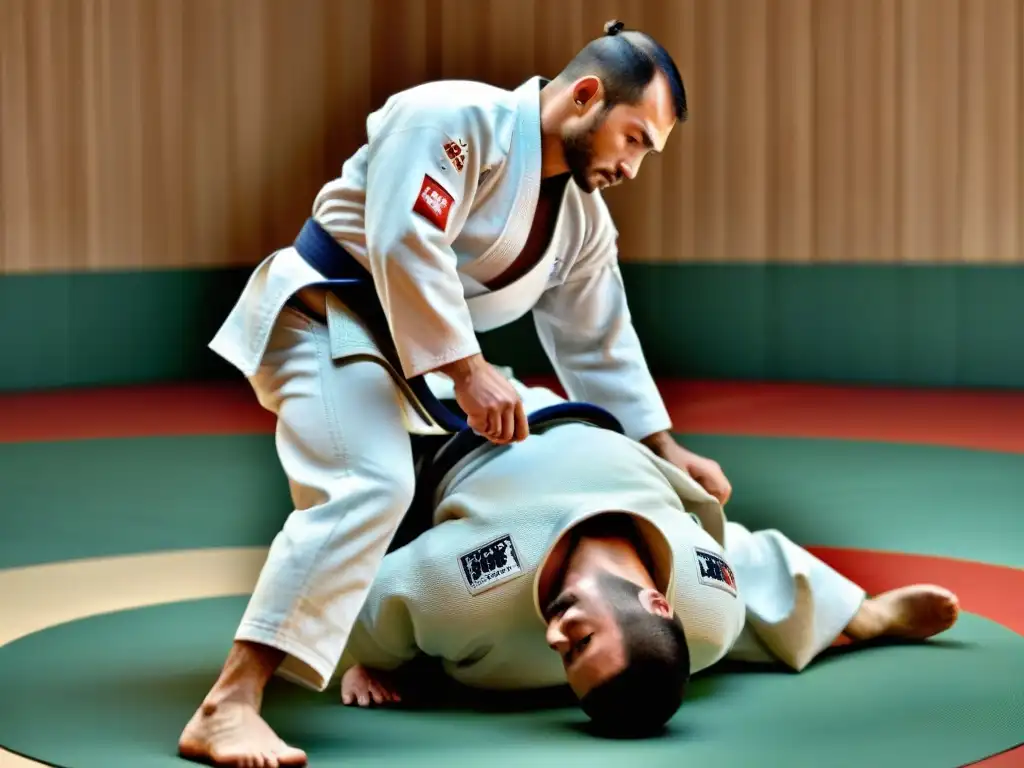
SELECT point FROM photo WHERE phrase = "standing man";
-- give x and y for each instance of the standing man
(467, 207)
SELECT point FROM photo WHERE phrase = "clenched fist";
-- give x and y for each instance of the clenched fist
(492, 405)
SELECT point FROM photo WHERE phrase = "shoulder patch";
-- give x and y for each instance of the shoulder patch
(489, 565)
(433, 203)
(714, 571)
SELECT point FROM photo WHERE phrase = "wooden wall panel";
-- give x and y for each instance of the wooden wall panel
(165, 133)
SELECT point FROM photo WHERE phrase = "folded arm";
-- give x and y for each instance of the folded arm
(415, 206)
(383, 663)
(416, 203)
(381, 647)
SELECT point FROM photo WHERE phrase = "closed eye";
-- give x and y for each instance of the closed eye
(578, 647)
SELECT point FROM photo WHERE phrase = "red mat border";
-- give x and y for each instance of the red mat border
(964, 419)
(986, 590)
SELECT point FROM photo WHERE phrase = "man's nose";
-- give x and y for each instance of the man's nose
(630, 168)
(557, 641)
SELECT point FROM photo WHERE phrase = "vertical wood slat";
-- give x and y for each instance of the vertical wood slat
(16, 213)
(791, 67)
(166, 133)
(680, 187)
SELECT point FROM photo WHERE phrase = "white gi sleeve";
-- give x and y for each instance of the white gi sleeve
(414, 210)
(585, 327)
(383, 636)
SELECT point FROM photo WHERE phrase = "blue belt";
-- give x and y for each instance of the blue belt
(353, 284)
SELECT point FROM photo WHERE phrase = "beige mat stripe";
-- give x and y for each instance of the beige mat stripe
(37, 597)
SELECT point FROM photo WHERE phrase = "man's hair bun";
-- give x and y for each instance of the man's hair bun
(613, 27)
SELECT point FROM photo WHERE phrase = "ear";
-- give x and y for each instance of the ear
(654, 602)
(586, 91)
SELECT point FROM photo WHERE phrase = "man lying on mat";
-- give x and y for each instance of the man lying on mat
(580, 556)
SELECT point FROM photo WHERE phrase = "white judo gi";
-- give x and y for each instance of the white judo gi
(437, 203)
(465, 591)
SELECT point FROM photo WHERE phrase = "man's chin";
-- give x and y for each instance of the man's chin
(587, 182)
(594, 181)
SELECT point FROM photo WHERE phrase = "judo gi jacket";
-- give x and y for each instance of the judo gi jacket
(437, 203)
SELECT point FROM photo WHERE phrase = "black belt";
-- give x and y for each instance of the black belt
(444, 459)
(353, 284)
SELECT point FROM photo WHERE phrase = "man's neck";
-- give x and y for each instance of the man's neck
(552, 116)
(607, 543)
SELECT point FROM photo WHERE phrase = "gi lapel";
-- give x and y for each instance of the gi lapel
(522, 180)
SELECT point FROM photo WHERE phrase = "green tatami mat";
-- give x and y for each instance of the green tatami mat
(105, 497)
(114, 691)
(925, 500)
(95, 498)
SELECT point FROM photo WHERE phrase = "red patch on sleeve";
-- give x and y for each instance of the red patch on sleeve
(433, 203)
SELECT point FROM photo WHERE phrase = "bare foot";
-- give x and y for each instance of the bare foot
(915, 612)
(233, 734)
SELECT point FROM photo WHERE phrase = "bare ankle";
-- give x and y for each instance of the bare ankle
(867, 623)
(246, 673)
(224, 694)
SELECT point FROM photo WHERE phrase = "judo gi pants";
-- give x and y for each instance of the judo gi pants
(349, 462)
(797, 605)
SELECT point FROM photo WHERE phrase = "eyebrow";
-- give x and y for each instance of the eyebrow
(648, 141)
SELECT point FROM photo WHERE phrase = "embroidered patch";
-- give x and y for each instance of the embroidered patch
(457, 152)
(433, 203)
(490, 565)
(713, 571)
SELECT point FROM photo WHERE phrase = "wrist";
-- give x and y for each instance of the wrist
(660, 442)
(462, 369)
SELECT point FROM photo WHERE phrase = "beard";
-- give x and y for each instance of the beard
(578, 148)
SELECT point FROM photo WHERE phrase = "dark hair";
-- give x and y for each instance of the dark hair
(626, 61)
(649, 690)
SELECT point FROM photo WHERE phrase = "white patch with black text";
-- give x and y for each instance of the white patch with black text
(714, 571)
(493, 563)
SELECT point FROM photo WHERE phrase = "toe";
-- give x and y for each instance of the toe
(290, 756)
(952, 612)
